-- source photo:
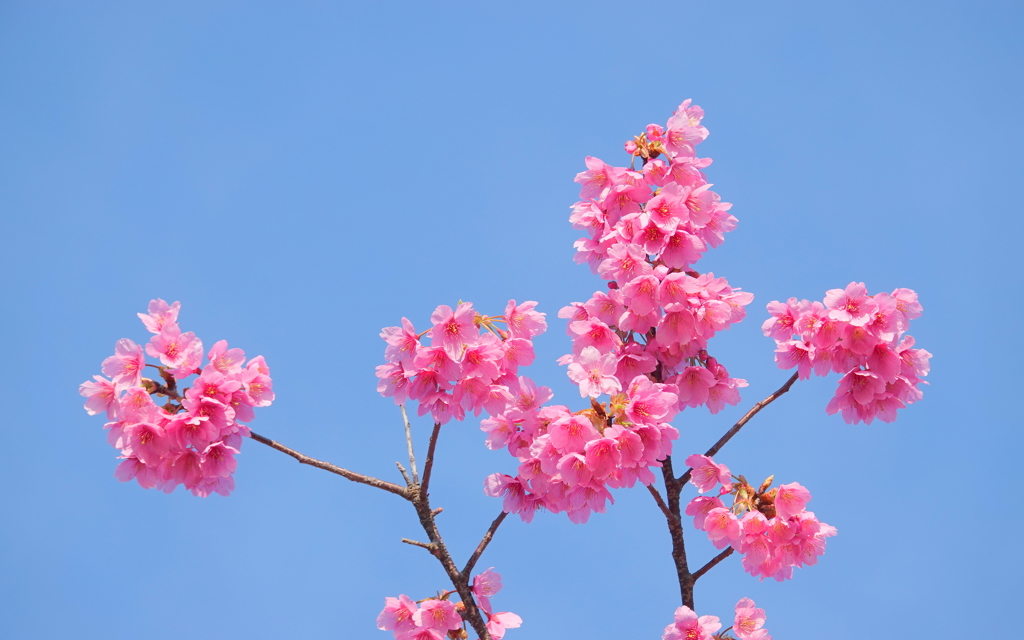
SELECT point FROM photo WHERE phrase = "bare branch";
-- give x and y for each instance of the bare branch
(429, 464)
(405, 475)
(327, 466)
(711, 563)
(661, 502)
(742, 421)
(429, 546)
(408, 442)
(483, 545)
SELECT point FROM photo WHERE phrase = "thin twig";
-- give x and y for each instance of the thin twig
(408, 442)
(404, 474)
(429, 546)
(483, 545)
(711, 563)
(428, 466)
(661, 502)
(327, 466)
(742, 421)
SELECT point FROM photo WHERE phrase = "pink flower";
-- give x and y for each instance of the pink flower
(688, 626)
(522, 321)
(402, 342)
(498, 623)
(706, 474)
(397, 614)
(101, 396)
(749, 621)
(595, 373)
(852, 304)
(453, 329)
(226, 360)
(160, 315)
(485, 586)
(125, 366)
(791, 499)
(439, 615)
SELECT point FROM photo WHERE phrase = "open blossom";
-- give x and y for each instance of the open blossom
(707, 474)
(749, 621)
(595, 373)
(688, 626)
(193, 438)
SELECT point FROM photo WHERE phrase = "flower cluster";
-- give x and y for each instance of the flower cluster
(470, 364)
(569, 460)
(193, 438)
(646, 228)
(768, 526)
(434, 618)
(748, 624)
(642, 343)
(860, 336)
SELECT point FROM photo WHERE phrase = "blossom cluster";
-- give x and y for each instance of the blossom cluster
(857, 335)
(642, 343)
(469, 365)
(193, 438)
(568, 461)
(770, 527)
(434, 618)
(646, 229)
(748, 624)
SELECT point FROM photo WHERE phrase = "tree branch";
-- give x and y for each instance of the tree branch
(742, 421)
(428, 466)
(660, 501)
(711, 563)
(327, 466)
(408, 442)
(461, 583)
(675, 529)
(483, 545)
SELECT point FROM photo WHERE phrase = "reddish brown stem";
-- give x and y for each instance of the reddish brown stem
(428, 464)
(483, 545)
(742, 421)
(327, 466)
(711, 563)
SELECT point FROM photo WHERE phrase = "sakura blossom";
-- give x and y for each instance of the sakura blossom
(193, 438)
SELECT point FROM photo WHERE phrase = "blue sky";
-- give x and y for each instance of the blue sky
(300, 175)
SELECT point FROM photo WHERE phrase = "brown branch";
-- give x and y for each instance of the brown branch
(428, 465)
(711, 563)
(461, 583)
(408, 443)
(742, 421)
(327, 466)
(486, 540)
(675, 529)
(405, 475)
(660, 501)
(428, 546)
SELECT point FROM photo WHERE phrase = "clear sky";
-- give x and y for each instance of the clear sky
(301, 174)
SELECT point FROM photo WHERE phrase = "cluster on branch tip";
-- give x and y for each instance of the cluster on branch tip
(857, 335)
(191, 439)
(770, 527)
(437, 618)
(748, 624)
(642, 342)
(469, 365)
